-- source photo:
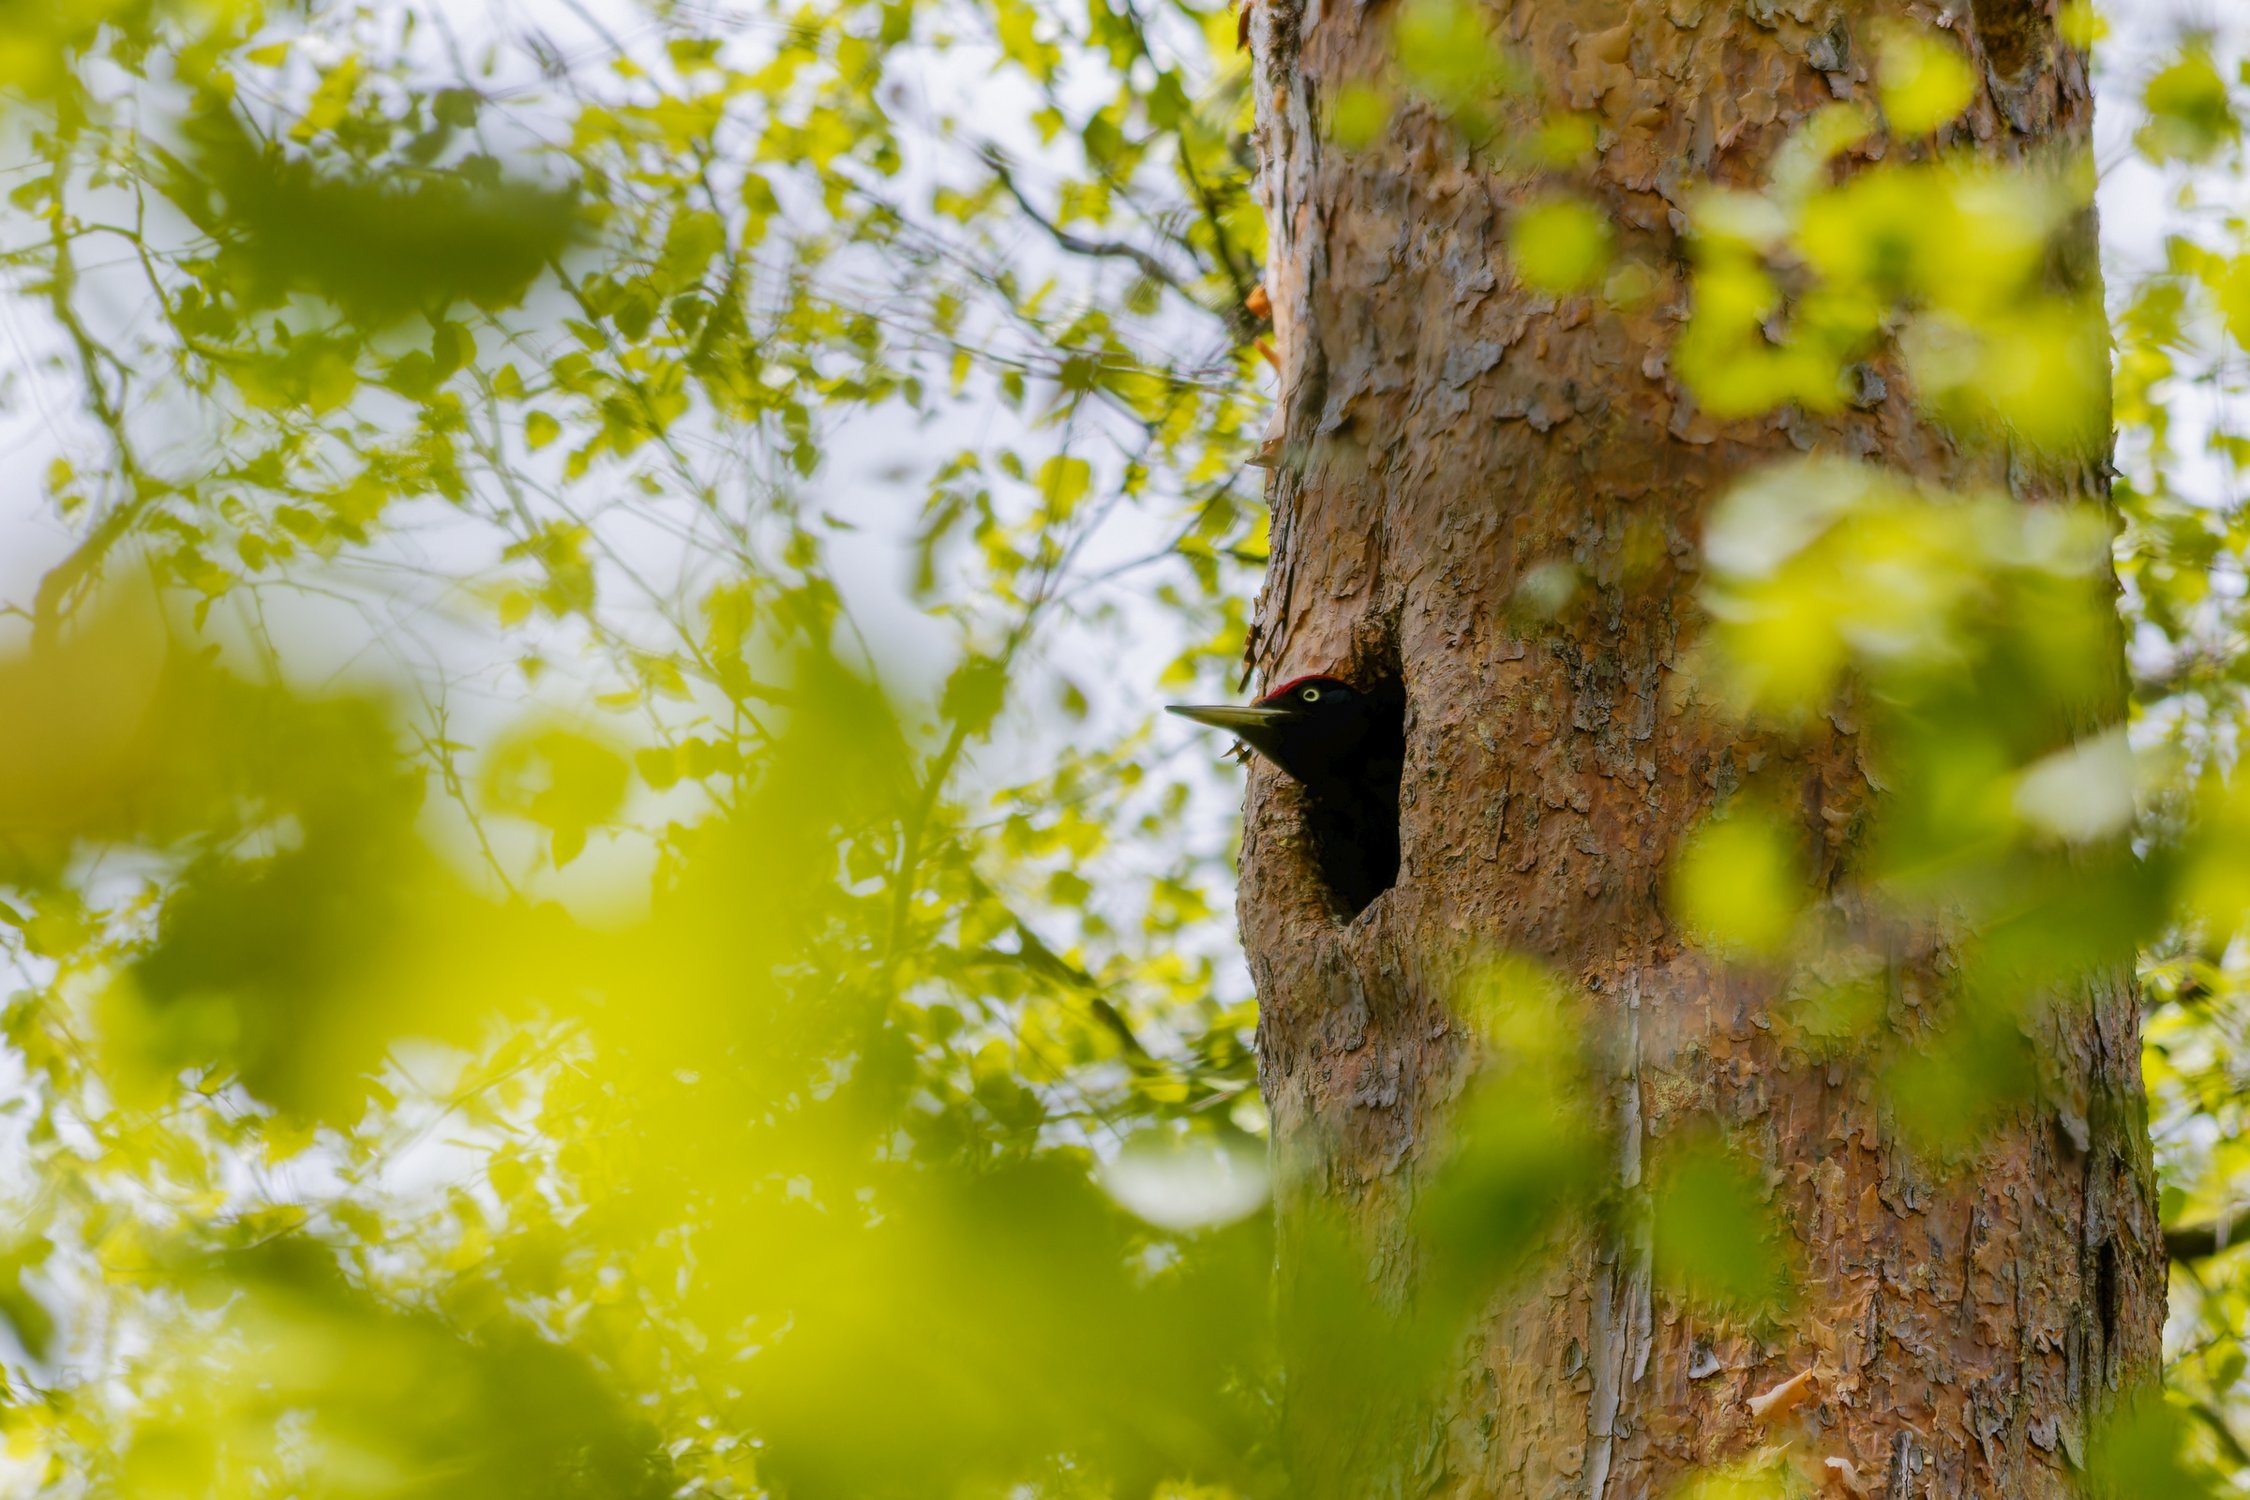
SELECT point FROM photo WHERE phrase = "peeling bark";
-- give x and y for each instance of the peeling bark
(1442, 433)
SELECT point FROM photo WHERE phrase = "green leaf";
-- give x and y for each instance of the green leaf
(2190, 113)
(1738, 886)
(1560, 245)
(378, 245)
(1063, 482)
(1448, 52)
(1925, 78)
(1358, 116)
(1715, 1233)
(695, 238)
(974, 693)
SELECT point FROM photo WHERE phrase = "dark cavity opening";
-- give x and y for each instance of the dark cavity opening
(2012, 34)
(2107, 1295)
(1352, 815)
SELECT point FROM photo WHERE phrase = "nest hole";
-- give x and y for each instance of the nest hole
(1354, 821)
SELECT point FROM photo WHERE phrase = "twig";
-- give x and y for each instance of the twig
(63, 580)
(1076, 244)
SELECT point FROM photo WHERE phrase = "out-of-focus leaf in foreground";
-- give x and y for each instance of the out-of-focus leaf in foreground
(39, 39)
(379, 245)
(1972, 284)
(1956, 644)
(2139, 1450)
(2190, 112)
(308, 926)
(1716, 1238)
(1006, 1320)
(740, 1154)
(293, 1382)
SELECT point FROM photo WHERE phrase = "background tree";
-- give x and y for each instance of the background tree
(593, 905)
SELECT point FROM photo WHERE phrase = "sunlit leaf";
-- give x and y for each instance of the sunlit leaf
(380, 247)
(1738, 886)
(1926, 80)
(1560, 245)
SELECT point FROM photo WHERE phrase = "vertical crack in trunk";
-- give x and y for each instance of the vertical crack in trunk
(1624, 1312)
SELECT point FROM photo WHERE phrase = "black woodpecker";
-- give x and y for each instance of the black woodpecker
(1347, 749)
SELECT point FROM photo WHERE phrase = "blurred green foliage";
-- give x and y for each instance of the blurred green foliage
(377, 246)
(294, 1380)
(1799, 287)
(543, 965)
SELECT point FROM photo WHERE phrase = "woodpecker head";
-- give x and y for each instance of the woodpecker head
(1319, 730)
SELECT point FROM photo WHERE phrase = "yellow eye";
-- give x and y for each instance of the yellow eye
(1310, 695)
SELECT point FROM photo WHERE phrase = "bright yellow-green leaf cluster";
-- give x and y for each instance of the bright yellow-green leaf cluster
(2191, 114)
(1822, 567)
(1926, 79)
(1560, 245)
(1939, 273)
(1738, 886)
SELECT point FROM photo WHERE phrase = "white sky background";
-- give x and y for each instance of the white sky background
(875, 466)
(2136, 199)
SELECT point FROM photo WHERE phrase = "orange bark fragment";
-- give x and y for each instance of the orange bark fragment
(1787, 1396)
(1843, 1475)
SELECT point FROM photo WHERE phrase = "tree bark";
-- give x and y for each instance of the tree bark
(1441, 433)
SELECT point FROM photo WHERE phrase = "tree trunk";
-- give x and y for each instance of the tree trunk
(1442, 433)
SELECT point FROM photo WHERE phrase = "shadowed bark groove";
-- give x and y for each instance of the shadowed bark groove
(1442, 432)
